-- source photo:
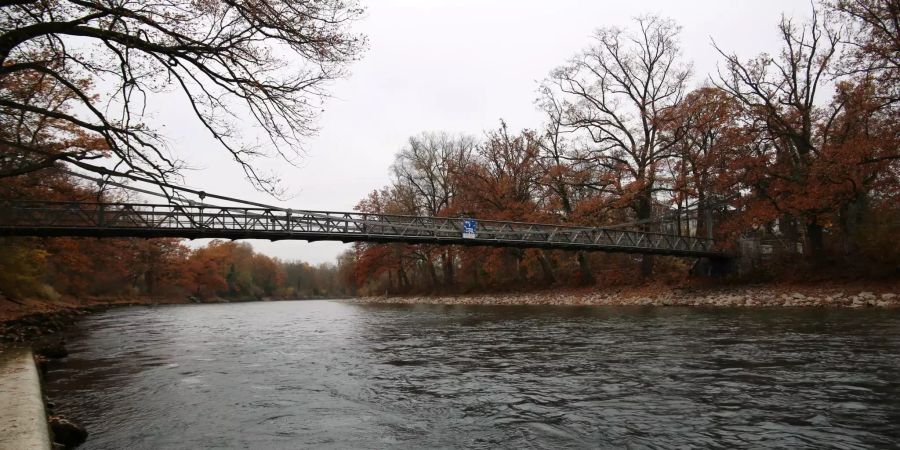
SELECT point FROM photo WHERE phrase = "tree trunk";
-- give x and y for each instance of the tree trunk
(586, 277)
(678, 222)
(476, 275)
(447, 263)
(432, 274)
(150, 280)
(852, 215)
(787, 225)
(521, 272)
(547, 268)
(701, 231)
(390, 288)
(645, 212)
(401, 274)
(816, 237)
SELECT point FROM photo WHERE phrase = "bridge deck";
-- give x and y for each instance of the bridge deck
(40, 218)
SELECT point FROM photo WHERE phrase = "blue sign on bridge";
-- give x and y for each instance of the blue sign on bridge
(470, 227)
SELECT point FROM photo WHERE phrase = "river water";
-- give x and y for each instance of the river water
(326, 374)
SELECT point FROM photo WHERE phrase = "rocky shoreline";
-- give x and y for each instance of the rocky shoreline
(34, 327)
(35, 323)
(31, 321)
(691, 297)
(38, 325)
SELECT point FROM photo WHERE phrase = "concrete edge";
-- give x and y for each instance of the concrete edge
(23, 418)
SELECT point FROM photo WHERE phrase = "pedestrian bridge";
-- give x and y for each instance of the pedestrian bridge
(48, 218)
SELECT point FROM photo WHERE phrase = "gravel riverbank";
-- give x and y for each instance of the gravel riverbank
(32, 319)
(720, 297)
(26, 322)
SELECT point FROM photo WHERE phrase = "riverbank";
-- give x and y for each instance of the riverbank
(30, 319)
(885, 295)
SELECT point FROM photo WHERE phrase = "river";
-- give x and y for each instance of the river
(328, 374)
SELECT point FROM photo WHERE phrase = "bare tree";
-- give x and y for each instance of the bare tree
(266, 61)
(565, 175)
(617, 92)
(780, 98)
(425, 167)
(873, 36)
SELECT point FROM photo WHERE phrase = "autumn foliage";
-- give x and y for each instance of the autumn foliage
(789, 159)
(138, 268)
(795, 151)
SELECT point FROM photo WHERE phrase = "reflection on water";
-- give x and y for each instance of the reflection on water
(330, 374)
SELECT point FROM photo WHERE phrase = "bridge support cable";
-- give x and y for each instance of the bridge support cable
(161, 184)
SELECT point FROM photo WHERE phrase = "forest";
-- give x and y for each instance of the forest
(155, 268)
(794, 150)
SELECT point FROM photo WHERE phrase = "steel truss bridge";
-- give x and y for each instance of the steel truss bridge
(47, 218)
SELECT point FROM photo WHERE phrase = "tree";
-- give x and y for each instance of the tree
(873, 34)
(860, 163)
(31, 142)
(262, 61)
(424, 168)
(82, 266)
(372, 261)
(617, 92)
(706, 131)
(159, 265)
(22, 267)
(206, 270)
(571, 180)
(780, 99)
(501, 183)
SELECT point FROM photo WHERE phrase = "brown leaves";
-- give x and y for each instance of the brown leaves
(263, 62)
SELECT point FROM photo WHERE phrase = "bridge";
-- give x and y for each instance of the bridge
(182, 218)
(117, 219)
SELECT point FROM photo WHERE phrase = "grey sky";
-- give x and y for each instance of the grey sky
(457, 66)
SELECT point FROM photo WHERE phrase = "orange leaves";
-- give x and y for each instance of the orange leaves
(372, 262)
(227, 268)
(22, 267)
(206, 270)
(35, 134)
(501, 181)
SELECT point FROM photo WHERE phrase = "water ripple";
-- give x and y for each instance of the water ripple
(334, 375)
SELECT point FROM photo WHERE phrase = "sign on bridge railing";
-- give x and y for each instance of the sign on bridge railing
(470, 228)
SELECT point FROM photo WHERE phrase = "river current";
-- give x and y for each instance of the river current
(329, 374)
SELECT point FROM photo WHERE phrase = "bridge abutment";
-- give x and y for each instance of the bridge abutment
(713, 267)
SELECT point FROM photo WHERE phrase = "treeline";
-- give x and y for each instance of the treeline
(797, 149)
(161, 268)
(130, 267)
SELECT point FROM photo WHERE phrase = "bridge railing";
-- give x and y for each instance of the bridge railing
(263, 223)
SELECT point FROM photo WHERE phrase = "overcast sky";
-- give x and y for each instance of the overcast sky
(457, 66)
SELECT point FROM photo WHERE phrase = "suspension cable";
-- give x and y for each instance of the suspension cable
(202, 194)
